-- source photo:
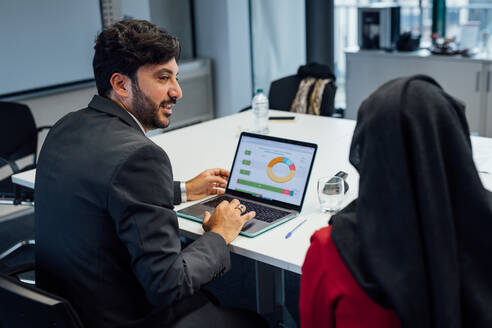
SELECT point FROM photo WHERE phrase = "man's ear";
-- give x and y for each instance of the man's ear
(121, 84)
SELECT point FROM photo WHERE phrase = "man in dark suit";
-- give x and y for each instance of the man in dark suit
(106, 233)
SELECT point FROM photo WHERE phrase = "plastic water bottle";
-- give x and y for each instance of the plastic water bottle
(260, 106)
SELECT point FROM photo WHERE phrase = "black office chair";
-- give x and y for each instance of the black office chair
(18, 149)
(283, 91)
(18, 152)
(27, 306)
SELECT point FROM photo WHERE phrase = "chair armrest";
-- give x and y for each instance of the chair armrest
(17, 269)
(44, 127)
(13, 166)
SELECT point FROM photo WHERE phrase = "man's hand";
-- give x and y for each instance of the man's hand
(206, 183)
(227, 220)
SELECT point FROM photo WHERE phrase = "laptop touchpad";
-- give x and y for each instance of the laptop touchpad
(197, 211)
(253, 226)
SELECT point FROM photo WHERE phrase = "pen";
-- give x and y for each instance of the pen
(281, 118)
(292, 231)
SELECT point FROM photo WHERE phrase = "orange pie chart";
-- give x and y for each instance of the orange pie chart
(279, 161)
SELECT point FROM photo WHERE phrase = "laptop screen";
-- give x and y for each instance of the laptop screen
(272, 168)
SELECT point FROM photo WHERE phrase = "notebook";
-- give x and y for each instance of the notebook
(269, 175)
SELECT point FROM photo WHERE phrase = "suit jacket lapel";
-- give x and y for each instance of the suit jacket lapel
(110, 107)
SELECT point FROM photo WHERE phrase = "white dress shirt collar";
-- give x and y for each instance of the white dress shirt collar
(140, 125)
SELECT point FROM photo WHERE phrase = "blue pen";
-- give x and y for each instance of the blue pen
(292, 231)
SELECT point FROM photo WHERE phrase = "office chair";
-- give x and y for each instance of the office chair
(18, 150)
(283, 91)
(28, 306)
(15, 247)
(18, 230)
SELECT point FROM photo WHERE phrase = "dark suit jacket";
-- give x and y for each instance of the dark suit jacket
(106, 233)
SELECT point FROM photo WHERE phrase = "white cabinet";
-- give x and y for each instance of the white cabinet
(465, 79)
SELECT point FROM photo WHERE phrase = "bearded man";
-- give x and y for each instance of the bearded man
(107, 237)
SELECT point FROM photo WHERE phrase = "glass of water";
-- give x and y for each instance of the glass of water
(331, 191)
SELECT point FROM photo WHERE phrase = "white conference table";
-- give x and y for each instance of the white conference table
(212, 144)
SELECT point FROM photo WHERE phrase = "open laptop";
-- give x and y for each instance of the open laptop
(270, 176)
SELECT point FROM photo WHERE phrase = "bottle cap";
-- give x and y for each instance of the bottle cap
(259, 90)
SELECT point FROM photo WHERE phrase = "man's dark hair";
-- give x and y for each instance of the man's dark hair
(126, 46)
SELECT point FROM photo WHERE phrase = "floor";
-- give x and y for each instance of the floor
(237, 287)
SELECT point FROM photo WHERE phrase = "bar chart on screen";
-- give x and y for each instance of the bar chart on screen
(271, 171)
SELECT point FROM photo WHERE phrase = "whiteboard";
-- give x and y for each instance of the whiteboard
(45, 43)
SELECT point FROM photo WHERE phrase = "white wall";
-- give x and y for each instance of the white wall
(174, 16)
(279, 39)
(135, 9)
(222, 33)
(196, 104)
(49, 109)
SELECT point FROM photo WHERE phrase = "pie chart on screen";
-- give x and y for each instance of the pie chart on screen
(281, 161)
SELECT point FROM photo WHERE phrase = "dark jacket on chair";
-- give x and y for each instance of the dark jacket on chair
(106, 234)
(283, 91)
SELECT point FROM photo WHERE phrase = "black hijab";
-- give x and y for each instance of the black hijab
(419, 237)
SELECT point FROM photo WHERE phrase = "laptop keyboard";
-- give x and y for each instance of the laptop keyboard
(263, 213)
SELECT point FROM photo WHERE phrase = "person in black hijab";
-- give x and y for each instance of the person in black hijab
(418, 238)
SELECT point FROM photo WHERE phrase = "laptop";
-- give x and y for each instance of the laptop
(270, 176)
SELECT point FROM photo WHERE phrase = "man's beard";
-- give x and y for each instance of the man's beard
(146, 112)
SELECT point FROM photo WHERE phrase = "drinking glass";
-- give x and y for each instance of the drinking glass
(330, 193)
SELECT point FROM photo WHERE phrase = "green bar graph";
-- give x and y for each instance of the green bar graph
(260, 185)
(247, 152)
(245, 172)
(248, 192)
(246, 162)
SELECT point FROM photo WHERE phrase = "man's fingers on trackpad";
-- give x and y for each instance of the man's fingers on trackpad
(248, 216)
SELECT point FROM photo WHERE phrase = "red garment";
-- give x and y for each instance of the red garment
(330, 296)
